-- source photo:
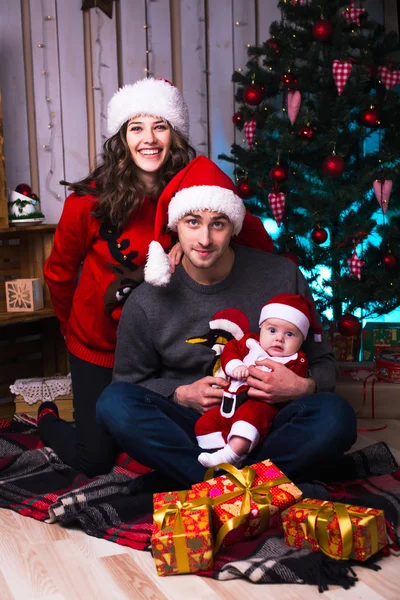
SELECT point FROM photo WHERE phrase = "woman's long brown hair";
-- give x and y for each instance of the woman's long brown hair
(115, 181)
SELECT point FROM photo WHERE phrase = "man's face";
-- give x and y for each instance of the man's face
(204, 237)
(279, 337)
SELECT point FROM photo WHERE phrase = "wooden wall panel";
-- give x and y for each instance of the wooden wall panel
(268, 12)
(194, 75)
(105, 69)
(132, 40)
(12, 87)
(159, 38)
(49, 141)
(73, 89)
(220, 97)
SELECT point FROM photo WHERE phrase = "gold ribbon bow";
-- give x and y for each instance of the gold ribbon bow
(173, 510)
(260, 494)
(318, 521)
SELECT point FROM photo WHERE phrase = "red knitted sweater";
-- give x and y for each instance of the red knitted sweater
(91, 270)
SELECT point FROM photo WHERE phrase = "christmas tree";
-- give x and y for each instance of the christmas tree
(321, 119)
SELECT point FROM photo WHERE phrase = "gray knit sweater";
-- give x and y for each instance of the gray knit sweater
(152, 347)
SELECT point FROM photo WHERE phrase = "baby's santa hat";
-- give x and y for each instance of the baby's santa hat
(153, 97)
(232, 320)
(201, 185)
(295, 309)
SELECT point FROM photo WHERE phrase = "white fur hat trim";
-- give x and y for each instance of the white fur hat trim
(206, 197)
(153, 97)
(287, 313)
(157, 270)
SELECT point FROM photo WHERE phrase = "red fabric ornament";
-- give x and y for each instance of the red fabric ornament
(319, 235)
(390, 261)
(25, 189)
(352, 14)
(289, 80)
(273, 44)
(341, 72)
(322, 30)
(348, 325)
(279, 173)
(355, 265)
(250, 131)
(277, 202)
(369, 117)
(253, 94)
(383, 189)
(244, 189)
(333, 165)
(306, 132)
(291, 256)
(388, 77)
(237, 118)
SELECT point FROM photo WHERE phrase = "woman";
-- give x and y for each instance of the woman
(100, 248)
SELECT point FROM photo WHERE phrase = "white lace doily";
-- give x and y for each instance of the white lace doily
(42, 388)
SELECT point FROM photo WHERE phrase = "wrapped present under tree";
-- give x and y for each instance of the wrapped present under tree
(379, 335)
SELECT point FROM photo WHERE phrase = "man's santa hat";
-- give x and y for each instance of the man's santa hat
(153, 97)
(201, 185)
(295, 309)
(231, 320)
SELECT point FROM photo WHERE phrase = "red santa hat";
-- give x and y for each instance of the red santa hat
(153, 97)
(295, 309)
(201, 185)
(233, 321)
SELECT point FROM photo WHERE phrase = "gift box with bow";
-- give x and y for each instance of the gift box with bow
(245, 502)
(182, 539)
(338, 530)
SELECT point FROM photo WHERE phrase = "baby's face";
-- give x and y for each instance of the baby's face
(279, 337)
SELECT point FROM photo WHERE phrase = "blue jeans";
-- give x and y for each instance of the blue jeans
(307, 435)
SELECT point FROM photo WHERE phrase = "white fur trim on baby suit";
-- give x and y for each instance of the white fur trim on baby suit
(287, 313)
(157, 270)
(207, 197)
(150, 96)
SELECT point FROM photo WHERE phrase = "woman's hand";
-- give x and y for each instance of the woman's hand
(175, 255)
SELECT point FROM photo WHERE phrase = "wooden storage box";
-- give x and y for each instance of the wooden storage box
(24, 295)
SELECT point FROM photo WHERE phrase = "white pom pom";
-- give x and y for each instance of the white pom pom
(157, 270)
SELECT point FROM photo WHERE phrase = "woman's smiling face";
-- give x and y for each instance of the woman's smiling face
(149, 140)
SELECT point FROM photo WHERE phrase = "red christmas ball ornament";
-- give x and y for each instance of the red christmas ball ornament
(322, 30)
(291, 256)
(289, 80)
(319, 235)
(244, 189)
(34, 196)
(333, 165)
(273, 44)
(237, 118)
(370, 117)
(348, 325)
(389, 261)
(306, 132)
(279, 173)
(253, 94)
(24, 188)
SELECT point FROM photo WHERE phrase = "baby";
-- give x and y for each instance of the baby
(235, 428)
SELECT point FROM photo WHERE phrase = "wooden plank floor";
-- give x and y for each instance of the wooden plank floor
(48, 562)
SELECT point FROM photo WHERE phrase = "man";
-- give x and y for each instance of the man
(166, 348)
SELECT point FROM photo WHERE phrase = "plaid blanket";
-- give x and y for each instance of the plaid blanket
(118, 507)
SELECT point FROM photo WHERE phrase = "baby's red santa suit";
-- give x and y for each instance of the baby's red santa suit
(239, 416)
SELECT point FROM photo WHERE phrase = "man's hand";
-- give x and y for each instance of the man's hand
(240, 373)
(175, 255)
(201, 395)
(278, 385)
